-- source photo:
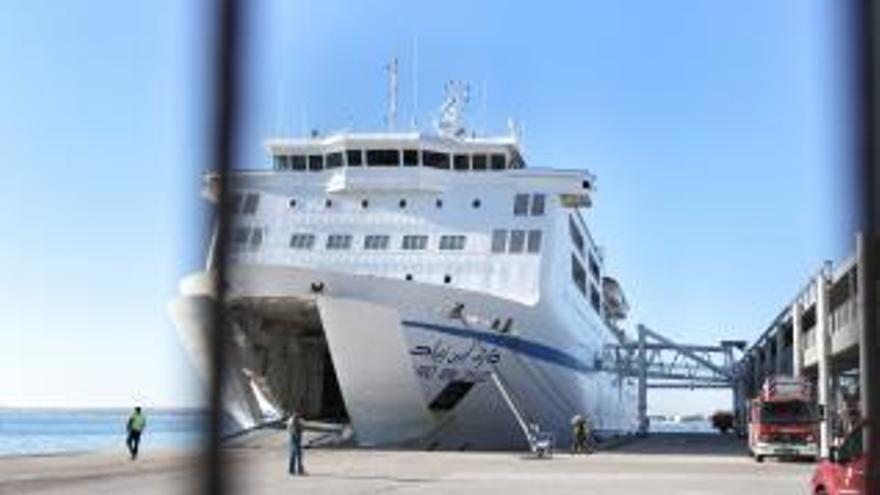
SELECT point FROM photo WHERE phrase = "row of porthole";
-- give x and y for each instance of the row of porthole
(365, 203)
(447, 279)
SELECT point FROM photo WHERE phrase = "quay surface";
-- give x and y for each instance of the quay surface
(661, 463)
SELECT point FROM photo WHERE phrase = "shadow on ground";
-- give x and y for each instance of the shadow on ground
(702, 444)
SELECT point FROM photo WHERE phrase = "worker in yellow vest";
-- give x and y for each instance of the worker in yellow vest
(136, 424)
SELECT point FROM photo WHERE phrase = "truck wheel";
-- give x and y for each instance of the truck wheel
(759, 458)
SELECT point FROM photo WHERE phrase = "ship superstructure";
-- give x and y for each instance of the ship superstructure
(381, 279)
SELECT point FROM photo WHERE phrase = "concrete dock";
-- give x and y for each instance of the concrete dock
(662, 463)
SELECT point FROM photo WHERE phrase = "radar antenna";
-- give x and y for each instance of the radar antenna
(451, 121)
(392, 94)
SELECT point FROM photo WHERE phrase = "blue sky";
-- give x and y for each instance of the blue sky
(717, 131)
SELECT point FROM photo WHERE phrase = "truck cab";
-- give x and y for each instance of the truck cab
(844, 472)
(783, 421)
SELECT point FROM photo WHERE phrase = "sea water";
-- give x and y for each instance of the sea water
(53, 431)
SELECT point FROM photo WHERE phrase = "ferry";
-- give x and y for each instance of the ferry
(427, 289)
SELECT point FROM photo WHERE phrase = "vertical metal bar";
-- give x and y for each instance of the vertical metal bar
(797, 356)
(222, 140)
(865, 17)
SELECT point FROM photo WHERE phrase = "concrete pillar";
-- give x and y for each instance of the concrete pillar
(757, 371)
(779, 366)
(797, 356)
(822, 348)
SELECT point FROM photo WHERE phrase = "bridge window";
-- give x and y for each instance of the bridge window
(383, 158)
(538, 204)
(578, 275)
(298, 162)
(435, 160)
(281, 162)
(576, 236)
(334, 160)
(376, 242)
(452, 242)
(479, 162)
(411, 158)
(461, 162)
(517, 241)
(302, 241)
(251, 201)
(316, 162)
(534, 242)
(499, 241)
(521, 205)
(414, 242)
(355, 157)
(499, 162)
(339, 241)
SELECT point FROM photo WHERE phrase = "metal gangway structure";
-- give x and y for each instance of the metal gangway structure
(659, 362)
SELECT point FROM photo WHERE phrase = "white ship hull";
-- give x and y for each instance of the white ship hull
(394, 346)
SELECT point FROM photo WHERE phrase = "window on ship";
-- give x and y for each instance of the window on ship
(538, 204)
(499, 241)
(338, 241)
(461, 162)
(594, 266)
(452, 242)
(298, 162)
(578, 275)
(251, 201)
(334, 160)
(479, 162)
(281, 162)
(355, 157)
(383, 158)
(517, 241)
(521, 205)
(576, 236)
(499, 162)
(435, 159)
(414, 242)
(534, 242)
(594, 297)
(410, 158)
(376, 242)
(316, 163)
(302, 241)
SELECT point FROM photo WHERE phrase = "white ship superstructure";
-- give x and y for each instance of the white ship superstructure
(380, 279)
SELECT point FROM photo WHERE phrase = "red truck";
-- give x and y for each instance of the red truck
(844, 472)
(783, 420)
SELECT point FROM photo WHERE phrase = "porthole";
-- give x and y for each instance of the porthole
(328, 203)
(292, 203)
(438, 203)
(447, 279)
(476, 203)
(409, 276)
(402, 203)
(365, 203)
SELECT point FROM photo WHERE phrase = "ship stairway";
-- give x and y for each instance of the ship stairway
(541, 443)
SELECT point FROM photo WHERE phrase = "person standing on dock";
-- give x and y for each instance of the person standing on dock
(579, 423)
(295, 428)
(136, 424)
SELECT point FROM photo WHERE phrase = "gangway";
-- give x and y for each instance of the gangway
(659, 362)
(541, 443)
